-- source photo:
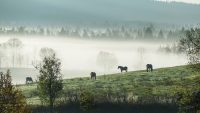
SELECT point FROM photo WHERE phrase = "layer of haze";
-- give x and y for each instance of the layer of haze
(80, 55)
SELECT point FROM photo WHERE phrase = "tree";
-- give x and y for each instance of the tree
(48, 32)
(50, 80)
(62, 32)
(14, 45)
(106, 60)
(11, 98)
(2, 53)
(85, 34)
(139, 35)
(188, 98)
(191, 45)
(20, 59)
(34, 61)
(160, 35)
(41, 32)
(141, 56)
(27, 58)
(21, 30)
(46, 52)
(148, 34)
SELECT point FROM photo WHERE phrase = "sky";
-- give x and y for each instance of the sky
(186, 1)
(97, 10)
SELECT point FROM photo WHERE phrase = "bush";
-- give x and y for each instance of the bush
(87, 101)
(188, 100)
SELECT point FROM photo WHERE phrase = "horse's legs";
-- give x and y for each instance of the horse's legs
(95, 77)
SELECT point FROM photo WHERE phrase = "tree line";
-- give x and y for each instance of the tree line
(147, 33)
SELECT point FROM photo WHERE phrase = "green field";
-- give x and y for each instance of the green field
(160, 82)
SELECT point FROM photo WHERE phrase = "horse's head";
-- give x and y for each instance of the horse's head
(119, 67)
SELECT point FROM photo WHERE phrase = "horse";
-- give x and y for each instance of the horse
(149, 67)
(29, 79)
(123, 68)
(93, 75)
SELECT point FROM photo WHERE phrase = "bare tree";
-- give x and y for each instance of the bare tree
(3, 55)
(34, 61)
(106, 60)
(14, 45)
(19, 59)
(46, 52)
(27, 58)
(142, 56)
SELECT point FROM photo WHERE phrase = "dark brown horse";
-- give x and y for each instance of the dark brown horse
(123, 68)
(93, 75)
(149, 67)
(29, 79)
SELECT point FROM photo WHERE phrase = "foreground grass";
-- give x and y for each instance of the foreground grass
(117, 87)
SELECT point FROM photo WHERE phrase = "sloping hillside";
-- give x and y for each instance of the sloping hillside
(159, 82)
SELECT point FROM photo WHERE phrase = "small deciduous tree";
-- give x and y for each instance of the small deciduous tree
(11, 98)
(191, 44)
(106, 60)
(50, 80)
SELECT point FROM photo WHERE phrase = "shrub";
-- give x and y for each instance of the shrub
(11, 98)
(87, 101)
(188, 100)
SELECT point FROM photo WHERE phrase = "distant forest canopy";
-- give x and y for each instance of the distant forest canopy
(135, 30)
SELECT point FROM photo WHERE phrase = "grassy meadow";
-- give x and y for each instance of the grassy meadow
(141, 89)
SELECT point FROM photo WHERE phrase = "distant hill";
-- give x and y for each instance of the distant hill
(97, 10)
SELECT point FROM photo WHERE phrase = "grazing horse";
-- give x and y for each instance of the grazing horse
(123, 68)
(29, 79)
(149, 68)
(93, 75)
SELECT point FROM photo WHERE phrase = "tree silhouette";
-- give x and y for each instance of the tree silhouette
(148, 34)
(50, 80)
(160, 35)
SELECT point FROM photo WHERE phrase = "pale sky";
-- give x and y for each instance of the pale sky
(187, 1)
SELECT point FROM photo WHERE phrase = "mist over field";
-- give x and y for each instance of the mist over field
(78, 57)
